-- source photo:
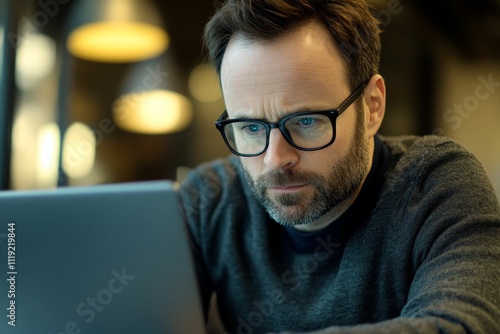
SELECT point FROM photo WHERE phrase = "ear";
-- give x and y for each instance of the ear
(375, 101)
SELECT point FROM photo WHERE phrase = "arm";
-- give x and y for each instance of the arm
(201, 195)
(191, 203)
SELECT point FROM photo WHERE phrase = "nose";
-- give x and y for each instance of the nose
(280, 155)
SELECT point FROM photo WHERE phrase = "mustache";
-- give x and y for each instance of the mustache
(283, 178)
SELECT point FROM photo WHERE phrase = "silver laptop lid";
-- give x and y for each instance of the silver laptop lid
(101, 259)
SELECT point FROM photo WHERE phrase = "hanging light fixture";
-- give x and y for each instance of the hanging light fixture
(151, 100)
(153, 112)
(116, 31)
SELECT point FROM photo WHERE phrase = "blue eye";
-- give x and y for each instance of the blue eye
(306, 121)
(254, 127)
(250, 128)
(310, 123)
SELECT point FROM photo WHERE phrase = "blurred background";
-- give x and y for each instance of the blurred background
(104, 91)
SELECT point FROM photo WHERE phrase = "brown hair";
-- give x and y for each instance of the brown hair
(350, 23)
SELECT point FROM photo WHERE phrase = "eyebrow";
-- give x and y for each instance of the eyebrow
(304, 110)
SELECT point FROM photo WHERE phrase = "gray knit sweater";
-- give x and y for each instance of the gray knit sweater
(418, 251)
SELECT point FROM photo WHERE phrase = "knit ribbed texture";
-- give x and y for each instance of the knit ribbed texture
(422, 253)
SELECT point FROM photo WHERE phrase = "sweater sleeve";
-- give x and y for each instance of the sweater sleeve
(194, 195)
(454, 216)
(204, 198)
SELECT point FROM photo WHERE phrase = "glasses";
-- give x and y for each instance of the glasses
(306, 131)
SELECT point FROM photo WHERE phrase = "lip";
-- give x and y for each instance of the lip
(291, 188)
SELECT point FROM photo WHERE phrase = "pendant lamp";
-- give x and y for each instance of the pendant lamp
(115, 31)
(151, 101)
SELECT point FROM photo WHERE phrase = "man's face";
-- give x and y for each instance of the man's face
(302, 72)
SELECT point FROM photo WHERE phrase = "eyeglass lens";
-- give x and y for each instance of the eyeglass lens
(307, 131)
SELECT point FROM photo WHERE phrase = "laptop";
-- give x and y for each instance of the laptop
(100, 259)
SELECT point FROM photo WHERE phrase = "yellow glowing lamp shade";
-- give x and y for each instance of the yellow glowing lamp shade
(117, 41)
(153, 112)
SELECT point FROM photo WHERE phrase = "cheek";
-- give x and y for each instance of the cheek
(346, 134)
(322, 161)
(341, 147)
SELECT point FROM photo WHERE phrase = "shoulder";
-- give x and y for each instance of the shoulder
(209, 183)
(421, 148)
(213, 174)
(433, 168)
(421, 155)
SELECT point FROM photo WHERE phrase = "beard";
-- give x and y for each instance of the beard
(342, 181)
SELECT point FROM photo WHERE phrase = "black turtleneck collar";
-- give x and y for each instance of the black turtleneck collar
(337, 233)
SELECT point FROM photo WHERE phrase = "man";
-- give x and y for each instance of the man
(318, 224)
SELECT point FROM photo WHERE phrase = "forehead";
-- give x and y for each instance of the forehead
(303, 70)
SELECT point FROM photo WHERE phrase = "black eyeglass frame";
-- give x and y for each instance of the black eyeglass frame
(332, 114)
